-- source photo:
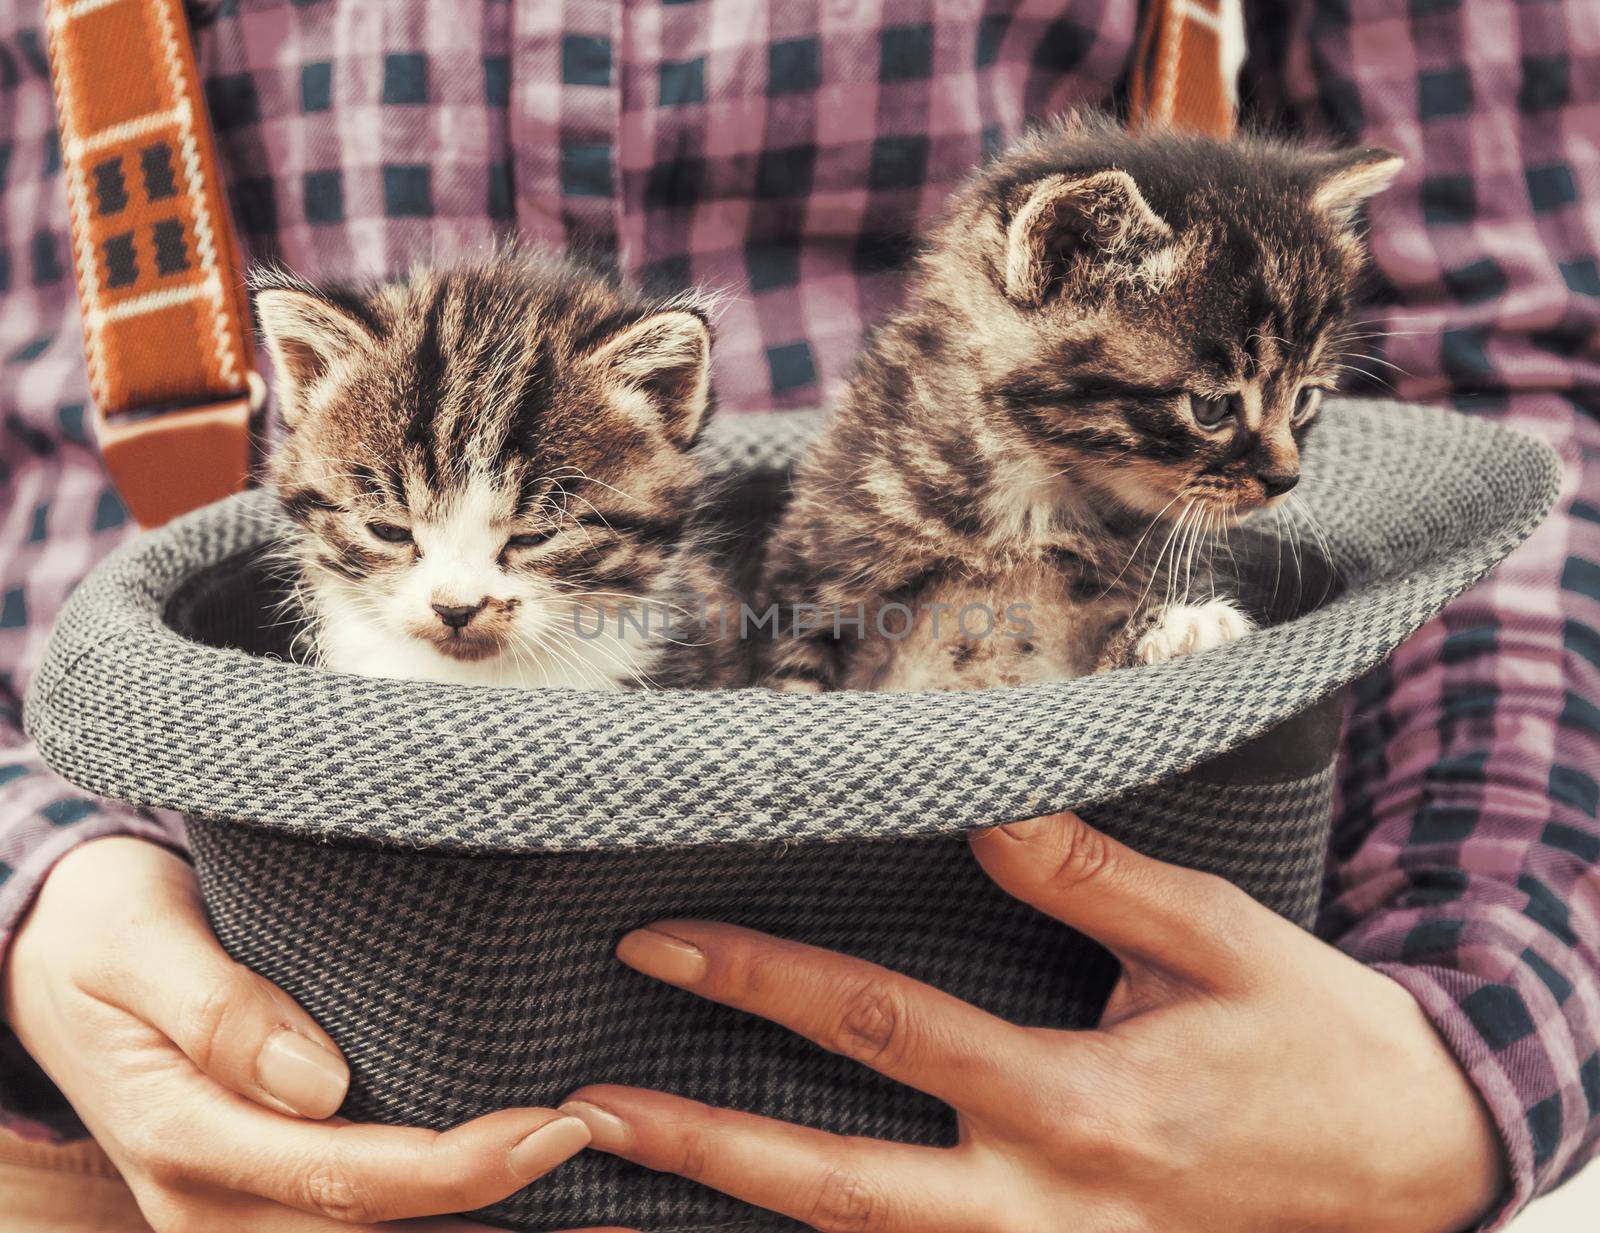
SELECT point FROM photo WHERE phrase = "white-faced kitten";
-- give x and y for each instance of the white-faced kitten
(491, 474)
(1111, 346)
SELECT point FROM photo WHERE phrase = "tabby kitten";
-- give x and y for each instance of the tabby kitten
(491, 476)
(1112, 346)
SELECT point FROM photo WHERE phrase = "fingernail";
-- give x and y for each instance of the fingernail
(663, 956)
(607, 1131)
(304, 1076)
(548, 1146)
(1026, 830)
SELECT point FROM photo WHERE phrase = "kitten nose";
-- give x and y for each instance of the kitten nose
(1278, 484)
(458, 616)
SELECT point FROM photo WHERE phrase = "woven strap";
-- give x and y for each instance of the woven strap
(1186, 64)
(165, 318)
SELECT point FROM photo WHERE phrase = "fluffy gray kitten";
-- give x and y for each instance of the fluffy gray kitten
(491, 473)
(1112, 347)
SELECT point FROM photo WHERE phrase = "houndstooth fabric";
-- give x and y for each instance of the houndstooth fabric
(333, 836)
(1413, 504)
(458, 986)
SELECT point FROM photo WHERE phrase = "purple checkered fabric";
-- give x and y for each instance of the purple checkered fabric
(783, 155)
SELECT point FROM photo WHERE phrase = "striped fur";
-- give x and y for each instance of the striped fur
(491, 470)
(1028, 430)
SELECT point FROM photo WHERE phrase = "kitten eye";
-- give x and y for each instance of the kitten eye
(1305, 402)
(527, 541)
(1210, 412)
(389, 533)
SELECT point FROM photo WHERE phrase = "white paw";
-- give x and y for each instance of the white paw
(1185, 629)
(793, 685)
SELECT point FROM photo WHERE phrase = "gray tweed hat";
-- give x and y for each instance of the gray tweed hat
(438, 873)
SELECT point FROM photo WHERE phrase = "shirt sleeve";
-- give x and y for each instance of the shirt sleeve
(1466, 856)
(42, 817)
(1465, 862)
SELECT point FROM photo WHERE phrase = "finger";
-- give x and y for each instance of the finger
(898, 1026)
(830, 1182)
(362, 1174)
(232, 1211)
(1184, 922)
(239, 1028)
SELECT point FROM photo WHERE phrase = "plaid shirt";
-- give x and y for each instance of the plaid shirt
(785, 154)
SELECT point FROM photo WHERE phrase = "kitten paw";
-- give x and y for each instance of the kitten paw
(793, 685)
(1185, 629)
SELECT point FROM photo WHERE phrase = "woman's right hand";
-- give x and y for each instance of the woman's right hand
(207, 1085)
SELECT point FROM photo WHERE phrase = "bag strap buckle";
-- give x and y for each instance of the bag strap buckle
(169, 463)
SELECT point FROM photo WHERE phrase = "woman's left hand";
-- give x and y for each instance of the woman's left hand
(1245, 1077)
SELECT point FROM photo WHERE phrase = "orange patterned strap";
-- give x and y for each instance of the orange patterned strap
(165, 318)
(1187, 64)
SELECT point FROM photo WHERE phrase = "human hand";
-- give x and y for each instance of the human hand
(1245, 1077)
(197, 1077)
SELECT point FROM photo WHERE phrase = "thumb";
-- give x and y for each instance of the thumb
(1189, 924)
(238, 1028)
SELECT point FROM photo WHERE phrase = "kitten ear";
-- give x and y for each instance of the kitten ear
(1103, 215)
(666, 357)
(307, 336)
(1345, 180)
